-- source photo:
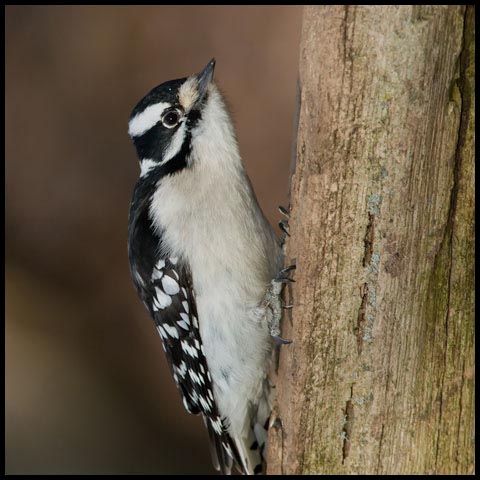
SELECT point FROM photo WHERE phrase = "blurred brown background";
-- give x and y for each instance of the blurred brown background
(87, 385)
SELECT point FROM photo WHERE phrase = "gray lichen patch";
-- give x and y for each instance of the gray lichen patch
(374, 263)
(374, 200)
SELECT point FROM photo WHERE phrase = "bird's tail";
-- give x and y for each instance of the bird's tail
(243, 451)
(252, 445)
(251, 449)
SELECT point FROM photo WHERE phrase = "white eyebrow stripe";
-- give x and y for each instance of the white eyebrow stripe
(144, 121)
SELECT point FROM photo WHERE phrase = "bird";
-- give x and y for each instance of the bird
(206, 264)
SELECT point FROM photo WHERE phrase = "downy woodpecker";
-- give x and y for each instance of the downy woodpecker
(206, 263)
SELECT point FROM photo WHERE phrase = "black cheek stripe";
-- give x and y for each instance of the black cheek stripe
(179, 161)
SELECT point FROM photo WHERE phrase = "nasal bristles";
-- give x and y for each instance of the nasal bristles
(188, 93)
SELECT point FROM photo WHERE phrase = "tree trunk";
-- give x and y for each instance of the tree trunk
(380, 377)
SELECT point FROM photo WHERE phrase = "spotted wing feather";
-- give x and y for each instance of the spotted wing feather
(165, 287)
(174, 311)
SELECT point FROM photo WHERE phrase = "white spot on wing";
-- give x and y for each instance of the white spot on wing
(188, 349)
(183, 324)
(161, 331)
(196, 378)
(157, 274)
(205, 405)
(156, 305)
(217, 425)
(163, 300)
(170, 286)
(185, 306)
(182, 369)
(172, 331)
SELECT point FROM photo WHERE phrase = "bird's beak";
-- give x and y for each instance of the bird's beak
(204, 78)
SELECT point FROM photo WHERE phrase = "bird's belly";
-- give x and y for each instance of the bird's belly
(237, 346)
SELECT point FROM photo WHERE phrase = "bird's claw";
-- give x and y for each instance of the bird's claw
(284, 211)
(282, 275)
(283, 224)
(281, 341)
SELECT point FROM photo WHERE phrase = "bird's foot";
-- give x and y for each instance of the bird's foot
(274, 303)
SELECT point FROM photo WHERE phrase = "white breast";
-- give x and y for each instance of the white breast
(210, 219)
(215, 229)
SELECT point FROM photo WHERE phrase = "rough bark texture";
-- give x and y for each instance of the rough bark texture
(380, 377)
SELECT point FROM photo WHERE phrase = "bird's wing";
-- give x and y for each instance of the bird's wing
(165, 287)
(173, 308)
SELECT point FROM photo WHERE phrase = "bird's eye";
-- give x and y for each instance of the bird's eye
(171, 118)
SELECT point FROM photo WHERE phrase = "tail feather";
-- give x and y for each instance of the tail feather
(245, 450)
(252, 445)
(250, 454)
(222, 459)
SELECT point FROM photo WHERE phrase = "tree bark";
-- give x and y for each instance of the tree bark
(380, 376)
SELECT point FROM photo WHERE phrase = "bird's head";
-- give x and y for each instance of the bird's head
(167, 123)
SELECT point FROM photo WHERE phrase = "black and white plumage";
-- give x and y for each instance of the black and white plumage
(202, 257)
